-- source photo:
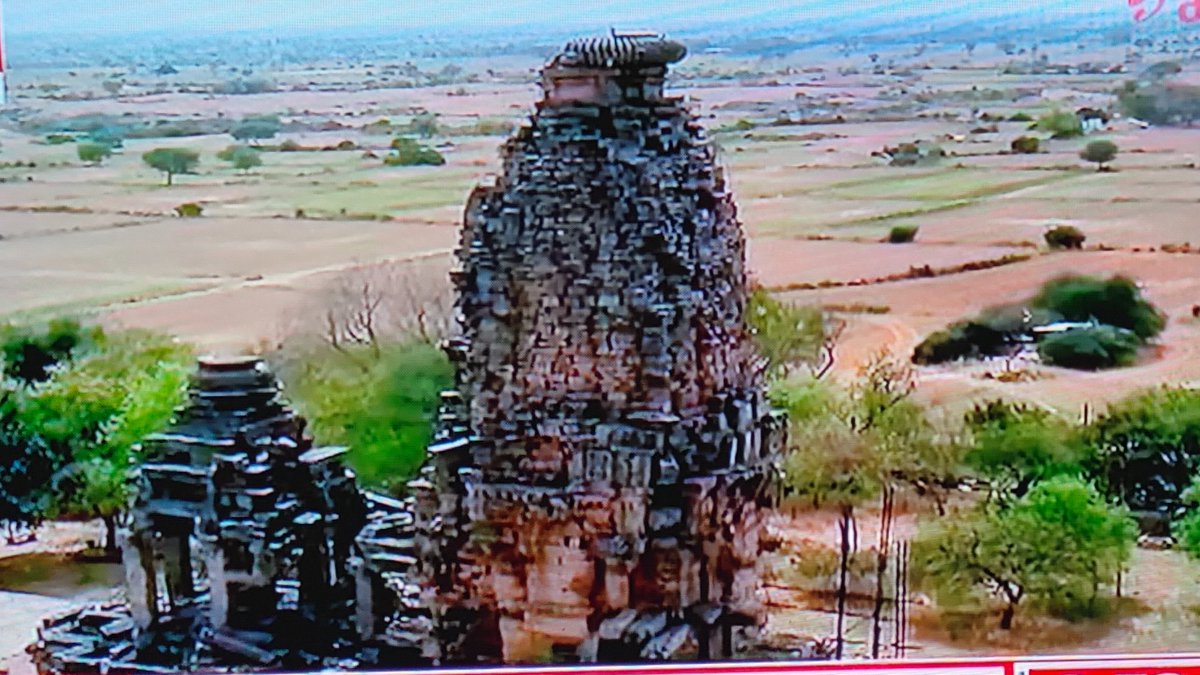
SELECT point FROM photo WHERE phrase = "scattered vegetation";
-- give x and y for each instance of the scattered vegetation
(1026, 145)
(1118, 321)
(903, 234)
(255, 129)
(408, 152)
(189, 210)
(242, 157)
(93, 153)
(1060, 124)
(787, 335)
(1065, 237)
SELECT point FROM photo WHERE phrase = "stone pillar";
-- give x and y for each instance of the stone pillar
(140, 583)
(218, 590)
(364, 594)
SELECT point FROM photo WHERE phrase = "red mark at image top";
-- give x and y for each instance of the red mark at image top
(1144, 10)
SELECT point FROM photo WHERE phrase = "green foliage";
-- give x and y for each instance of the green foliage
(242, 157)
(27, 466)
(256, 129)
(1015, 447)
(1161, 103)
(1187, 528)
(408, 152)
(1116, 301)
(29, 353)
(93, 153)
(1091, 348)
(851, 444)
(1021, 117)
(903, 234)
(1099, 152)
(1060, 124)
(59, 139)
(67, 437)
(1026, 145)
(189, 210)
(103, 402)
(1058, 543)
(786, 334)
(992, 333)
(743, 125)
(172, 161)
(1147, 448)
(1065, 237)
(381, 407)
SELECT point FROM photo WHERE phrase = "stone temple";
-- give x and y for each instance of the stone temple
(599, 476)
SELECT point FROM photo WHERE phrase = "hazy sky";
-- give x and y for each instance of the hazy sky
(115, 17)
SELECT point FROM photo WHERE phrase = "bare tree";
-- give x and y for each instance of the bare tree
(827, 355)
(370, 304)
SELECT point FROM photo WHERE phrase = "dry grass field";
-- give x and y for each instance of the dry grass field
(816, 204)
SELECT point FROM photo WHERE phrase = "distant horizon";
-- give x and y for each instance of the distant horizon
(37, 18)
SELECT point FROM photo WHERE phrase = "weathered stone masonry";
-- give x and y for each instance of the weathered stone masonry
(598, 485)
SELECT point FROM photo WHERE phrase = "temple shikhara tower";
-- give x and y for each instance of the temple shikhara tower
(599, 483)
(598, 479)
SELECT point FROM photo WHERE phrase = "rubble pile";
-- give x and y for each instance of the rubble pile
(598, 485)
(247, 546)
(598, 479)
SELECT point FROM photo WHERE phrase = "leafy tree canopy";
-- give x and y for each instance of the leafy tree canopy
(1058, 543)
(1116, 301)
(172, 161)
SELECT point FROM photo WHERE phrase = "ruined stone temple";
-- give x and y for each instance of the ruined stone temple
(597, 488)
(599, 476)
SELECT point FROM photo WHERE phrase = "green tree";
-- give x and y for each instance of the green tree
(172, 161)
(27, 465)
(243, 158)
(1146, 448)
(408, 152)
(93, 153)
(1187, 528)
(1116, 301)
(1061, 543)
(97, 488)
(255, 129)
(1060, 124)
(1092, 348)
(1065, 237)
(28, 353)
(1099, 153)
(380, 400)
(96, 408)
(787, 335)
(1014, 447)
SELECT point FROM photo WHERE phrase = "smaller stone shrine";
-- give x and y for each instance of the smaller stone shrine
(248, 547)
